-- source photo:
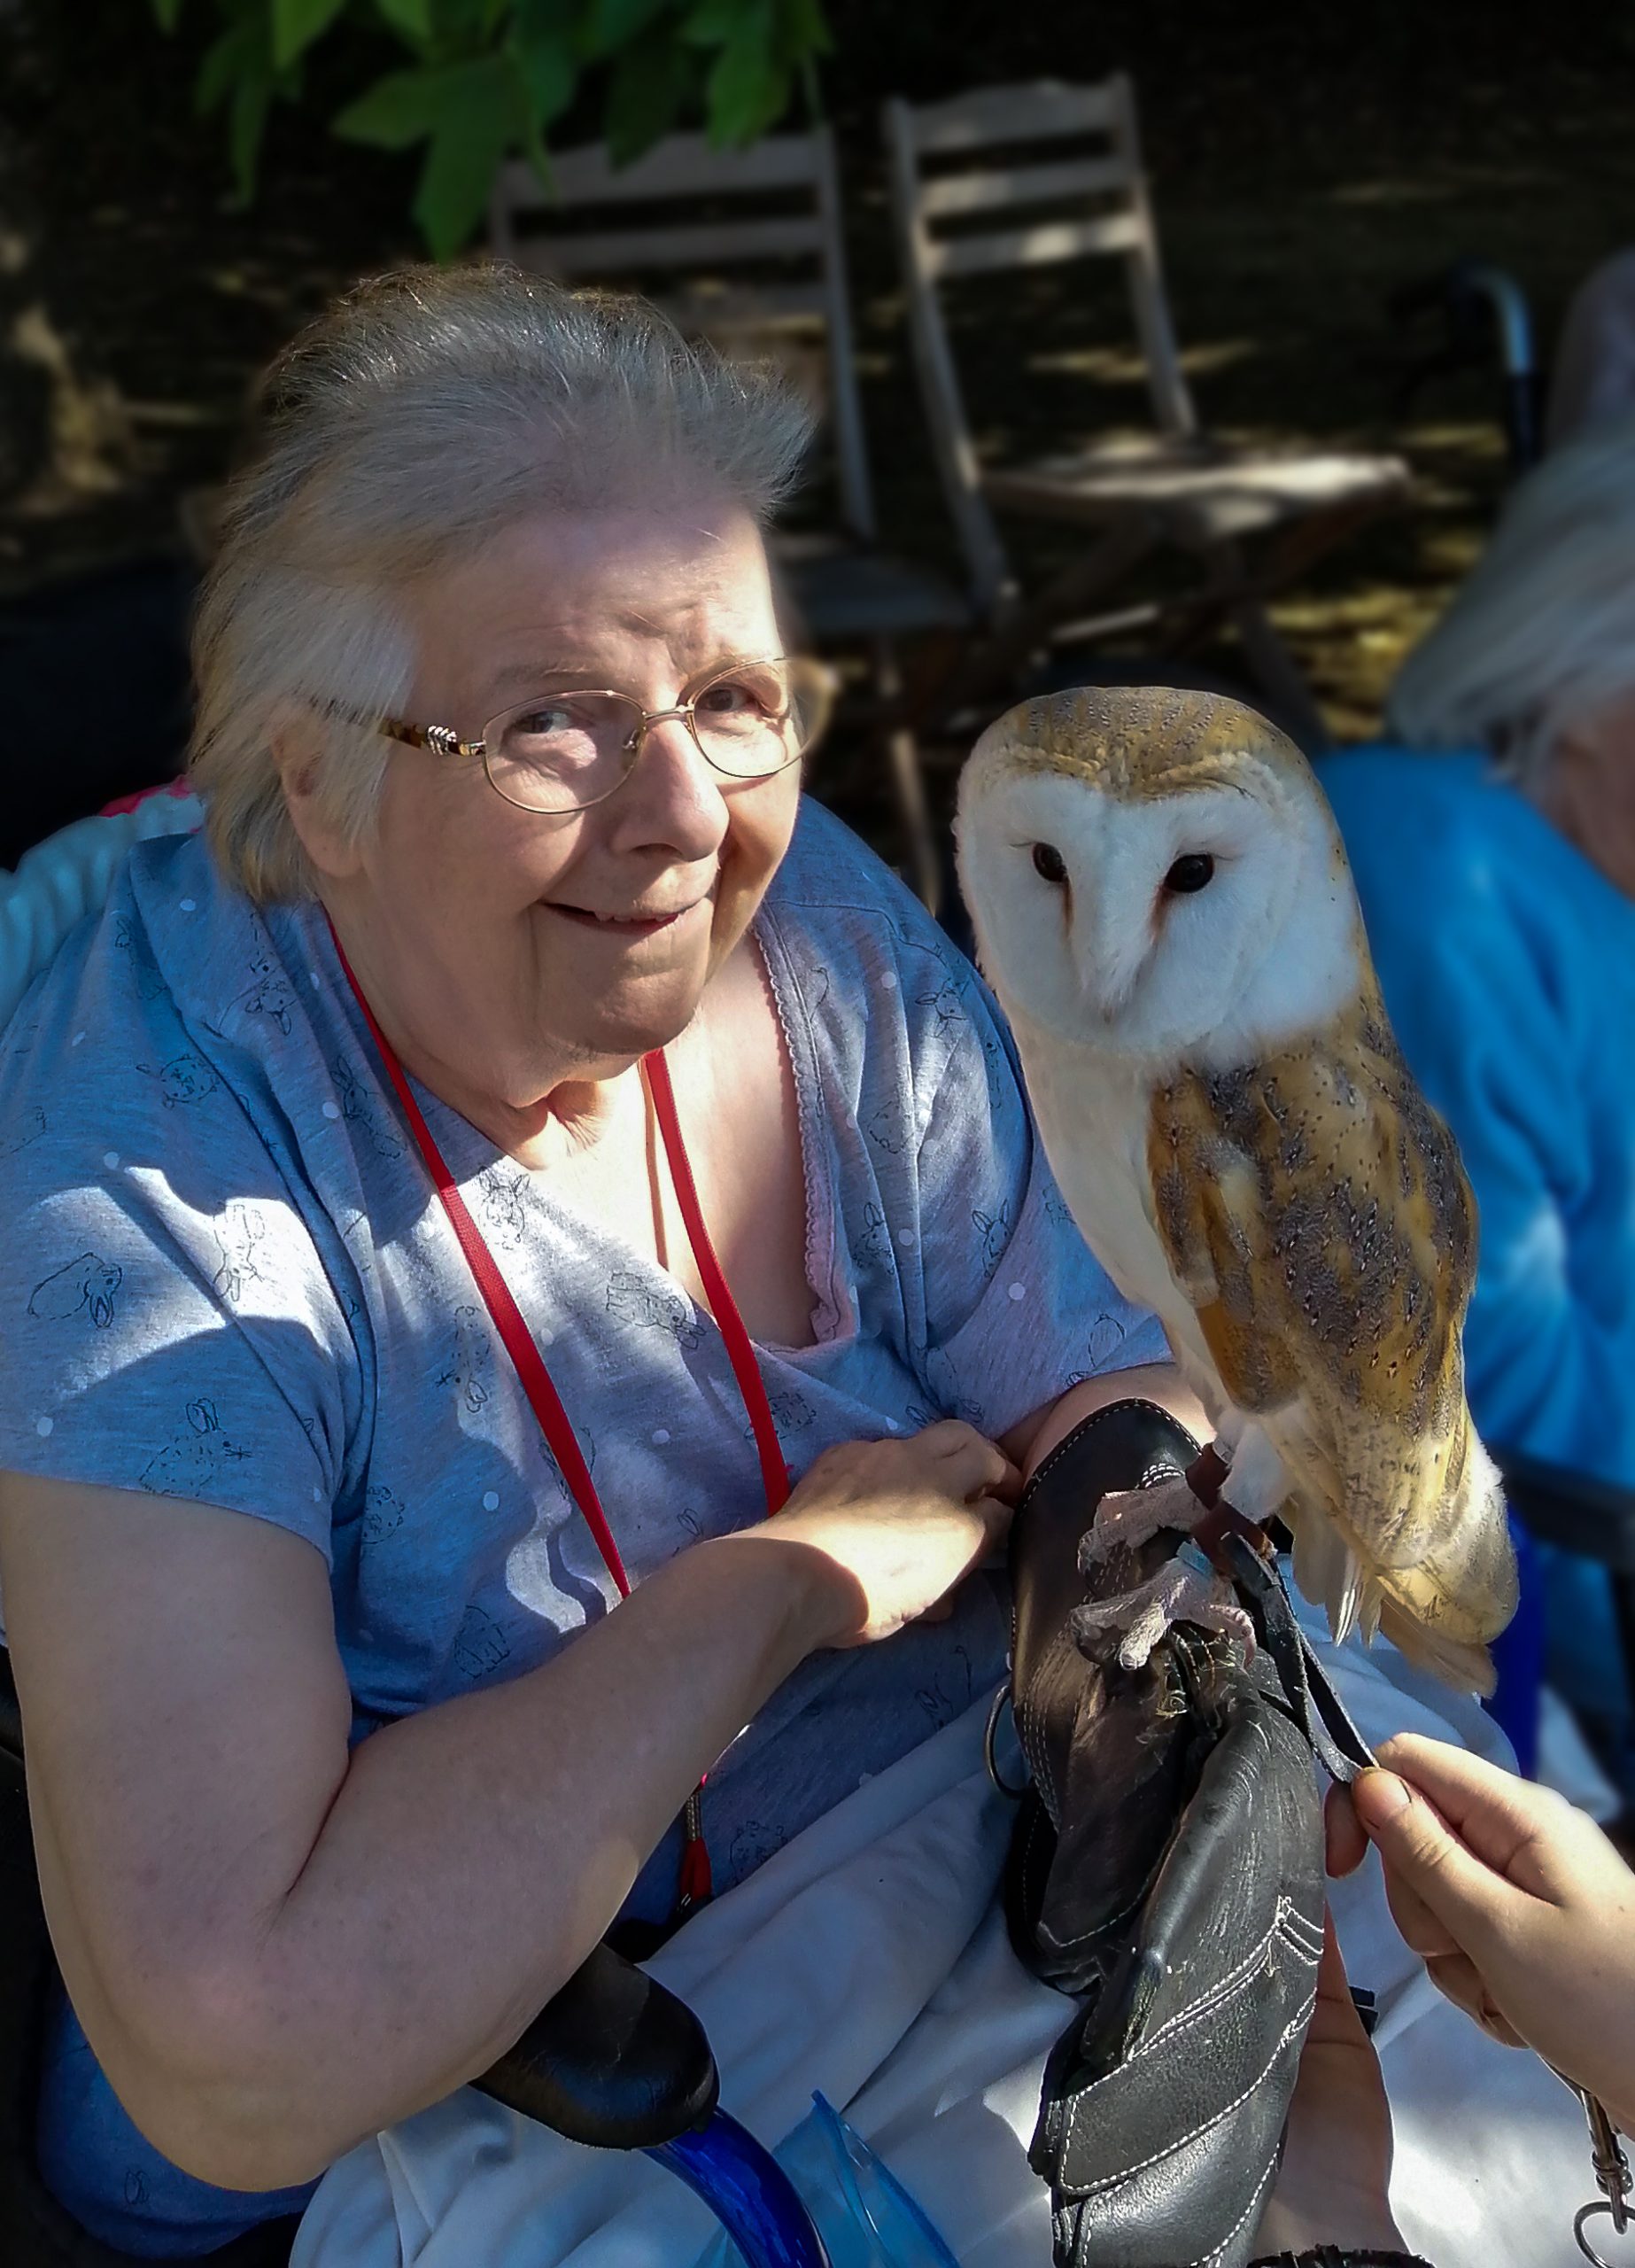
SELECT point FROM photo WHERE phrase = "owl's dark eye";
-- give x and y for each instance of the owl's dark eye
(1049, 863)
(1191, 872)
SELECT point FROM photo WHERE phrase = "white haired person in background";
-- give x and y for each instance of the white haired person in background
(1493, 844)
(508, 929)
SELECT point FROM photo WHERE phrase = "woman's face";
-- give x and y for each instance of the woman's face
(1589, 788)
(515, 949)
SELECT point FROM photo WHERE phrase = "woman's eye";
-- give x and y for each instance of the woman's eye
(1049, 863)
(539, 724)
(1191, 872)
(738, 697)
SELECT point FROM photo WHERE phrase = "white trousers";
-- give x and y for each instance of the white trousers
(868, 1959)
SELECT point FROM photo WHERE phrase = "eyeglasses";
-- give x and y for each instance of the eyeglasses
(565, 751)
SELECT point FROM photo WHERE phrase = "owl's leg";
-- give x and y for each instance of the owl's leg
(1256, 1483)
(1186, 1589)
(1132, 1517)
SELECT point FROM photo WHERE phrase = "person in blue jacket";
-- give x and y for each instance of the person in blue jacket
(1493, 839)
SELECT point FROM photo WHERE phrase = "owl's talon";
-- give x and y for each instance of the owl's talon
(1177, 1593)
(1132, 1517)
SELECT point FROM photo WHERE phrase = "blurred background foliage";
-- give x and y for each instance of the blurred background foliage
(475, 80)
(1305, 163)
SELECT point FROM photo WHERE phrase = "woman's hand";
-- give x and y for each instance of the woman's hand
(892, 1526)
(1333, 2182)
(1522, 1910)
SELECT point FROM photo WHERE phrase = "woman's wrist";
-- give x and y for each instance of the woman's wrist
(1356, 2223)
(811, 1601)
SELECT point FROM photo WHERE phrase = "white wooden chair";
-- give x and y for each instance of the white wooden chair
(745, 248)
(959, 211)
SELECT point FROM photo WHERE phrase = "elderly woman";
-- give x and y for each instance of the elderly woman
(1493, 845)
(355, 1132)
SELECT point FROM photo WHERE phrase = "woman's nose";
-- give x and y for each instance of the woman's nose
(672, 799)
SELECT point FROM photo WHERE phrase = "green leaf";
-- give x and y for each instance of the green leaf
(463, 29)
(397, 111)
(252, 99)
(169, 13)
(237, 69)
(543, 46)
(412, 18)
(479, 114)
(803, 31)
(296, 24)
(643, 94)
(239, 53)
(749, 90)
(218, 68)
(713, 22)
(611, 26)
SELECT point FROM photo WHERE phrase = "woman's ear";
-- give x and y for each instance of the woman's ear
(298, 737)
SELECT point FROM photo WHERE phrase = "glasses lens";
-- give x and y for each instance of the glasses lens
(757, 717)
(562, 751)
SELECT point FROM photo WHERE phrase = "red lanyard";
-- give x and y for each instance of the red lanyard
(543, 1398)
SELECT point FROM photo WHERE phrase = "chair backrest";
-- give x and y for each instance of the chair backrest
(703, 248)
(958, 209)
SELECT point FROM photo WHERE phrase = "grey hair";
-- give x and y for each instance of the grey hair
(1543, 630)
(426, 409)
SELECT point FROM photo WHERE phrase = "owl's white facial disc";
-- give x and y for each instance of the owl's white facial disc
(1203, 922)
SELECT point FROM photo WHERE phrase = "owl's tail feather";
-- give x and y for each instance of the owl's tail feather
(1416, 1547)
(1330, 1573)
(1465, 1666)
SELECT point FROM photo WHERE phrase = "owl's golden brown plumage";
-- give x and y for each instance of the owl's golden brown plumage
(1163, 904)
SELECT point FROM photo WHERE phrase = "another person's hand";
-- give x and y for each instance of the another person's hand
(898, 1523)
(1522, 1910)
(1332, 2185)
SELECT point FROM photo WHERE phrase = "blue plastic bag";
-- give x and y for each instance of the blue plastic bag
(864, 2216)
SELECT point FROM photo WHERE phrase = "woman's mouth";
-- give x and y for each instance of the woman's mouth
(623, 925)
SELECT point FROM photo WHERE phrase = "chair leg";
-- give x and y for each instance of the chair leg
(1623, 1607)
(1277, 670)
(1240, 597)
(1231, 592)
(992, 660)
(908, 783)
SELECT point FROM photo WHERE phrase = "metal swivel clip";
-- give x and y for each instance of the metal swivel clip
(1613, 2178)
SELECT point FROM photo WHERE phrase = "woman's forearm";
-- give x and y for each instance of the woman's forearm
(474, 1854)
(1031, 1441)
(277, 1947)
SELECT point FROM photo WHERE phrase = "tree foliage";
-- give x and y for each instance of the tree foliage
(475, 81)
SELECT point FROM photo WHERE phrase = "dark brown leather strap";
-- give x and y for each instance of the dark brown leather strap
(1339, 2256)
(1206, 1476)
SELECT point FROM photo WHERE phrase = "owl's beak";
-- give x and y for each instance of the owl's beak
(1108, 952)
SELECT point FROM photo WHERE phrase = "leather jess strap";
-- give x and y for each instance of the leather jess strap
(1339, 2256)
(1317, 1707)
(695, 1885)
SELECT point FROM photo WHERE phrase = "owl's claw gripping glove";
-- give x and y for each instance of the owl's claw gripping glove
(1168, 1866)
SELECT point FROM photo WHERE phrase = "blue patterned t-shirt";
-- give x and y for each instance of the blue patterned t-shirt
(224, 1277)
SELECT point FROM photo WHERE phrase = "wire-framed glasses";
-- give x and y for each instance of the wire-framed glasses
(564, 752)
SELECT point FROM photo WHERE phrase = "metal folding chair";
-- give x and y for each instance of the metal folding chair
(745, 248)
(960, 210)
(1575, 1512)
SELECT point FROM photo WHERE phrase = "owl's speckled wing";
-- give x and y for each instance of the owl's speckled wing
(1314, 1208)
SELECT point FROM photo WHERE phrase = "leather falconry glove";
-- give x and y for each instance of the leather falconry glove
(1167, 1867)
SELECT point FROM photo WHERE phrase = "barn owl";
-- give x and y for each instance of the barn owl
(1163, 905)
